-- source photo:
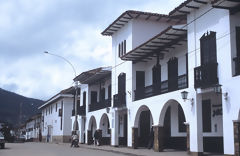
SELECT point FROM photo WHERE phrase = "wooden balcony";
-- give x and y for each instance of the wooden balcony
(237, 65)
(80, 111)
(99, 105)
(206, 75)
(119, 100)
(161, 88)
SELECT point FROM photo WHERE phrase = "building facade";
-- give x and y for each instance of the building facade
(177, 74)
(56, 117)
(95, 101)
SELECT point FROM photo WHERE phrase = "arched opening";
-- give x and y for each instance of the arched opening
(172, 119)
(144, 122)
(105, 129)
(91, 129)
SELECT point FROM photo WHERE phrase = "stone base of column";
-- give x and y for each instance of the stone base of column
(236, 128)
(158, 138)
(89, 137)
(134, 138)
(188, 138)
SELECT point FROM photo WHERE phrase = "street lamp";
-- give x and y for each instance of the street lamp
(75, 125)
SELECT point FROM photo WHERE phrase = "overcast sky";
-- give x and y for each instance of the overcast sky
(70, 28)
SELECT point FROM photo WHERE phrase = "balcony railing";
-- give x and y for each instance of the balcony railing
(99, 105)
(206, 75)
(119, 100)
(80, 111)
(160, 88)
(237, 65)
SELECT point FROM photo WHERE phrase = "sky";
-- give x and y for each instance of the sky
(69, 28)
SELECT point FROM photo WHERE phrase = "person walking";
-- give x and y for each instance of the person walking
(151, 138)
(74, 140)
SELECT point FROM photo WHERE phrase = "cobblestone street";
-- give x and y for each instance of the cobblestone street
(43, 149)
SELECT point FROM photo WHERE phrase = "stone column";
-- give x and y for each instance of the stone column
(236, 126)
(134, 138)
(158, 138)
(188, 137)
(89, 137)
(110, 141)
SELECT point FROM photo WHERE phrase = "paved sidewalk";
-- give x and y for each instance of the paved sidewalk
(132, 152)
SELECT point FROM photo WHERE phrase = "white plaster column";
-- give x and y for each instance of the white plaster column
(196, 134)
(114, 131)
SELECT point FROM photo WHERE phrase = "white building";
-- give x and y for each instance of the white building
(95, 100)
(56, 117)
(32, 128)
(156, 58)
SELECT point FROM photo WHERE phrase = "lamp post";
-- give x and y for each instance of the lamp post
(75, 125)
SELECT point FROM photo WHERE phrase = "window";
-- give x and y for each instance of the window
(208, 48)
(122, 48)
(237, 58)
(51, 109)
(238, 41)
(109, 92)
(84, 98)
(56, 107)
(206, 115)
(46, 111)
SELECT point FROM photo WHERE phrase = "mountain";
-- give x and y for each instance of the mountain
(10, 104)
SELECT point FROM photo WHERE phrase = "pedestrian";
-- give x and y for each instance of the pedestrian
(95, 137)
(74, 139)
(151, 138)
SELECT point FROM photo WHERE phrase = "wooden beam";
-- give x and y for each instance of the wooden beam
(158, 19)
(221, 7)
(126, 17)
(129, 15)
(137, 15)
(119, 24)
(156, 42)
(185, 12)
(148, 17)
(116, 27)
(192, 7)
(201, 2)
(173, 34)
(123, 21)
(113, 30)
(152, 46)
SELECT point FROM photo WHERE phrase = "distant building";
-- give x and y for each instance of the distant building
(33, 129)
(56, 117)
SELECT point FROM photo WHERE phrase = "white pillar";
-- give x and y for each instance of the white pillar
(196, 134)
(115, 125)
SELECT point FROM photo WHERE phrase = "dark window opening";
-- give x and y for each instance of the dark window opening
(84, 98)
(122, 83)
(93, 97)
(173, 74)
(61, 124)
(109, 92)
(156, 74)
(237, 58)
(56, 107)
(140, 80)
(206, 115)
(102, 93)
